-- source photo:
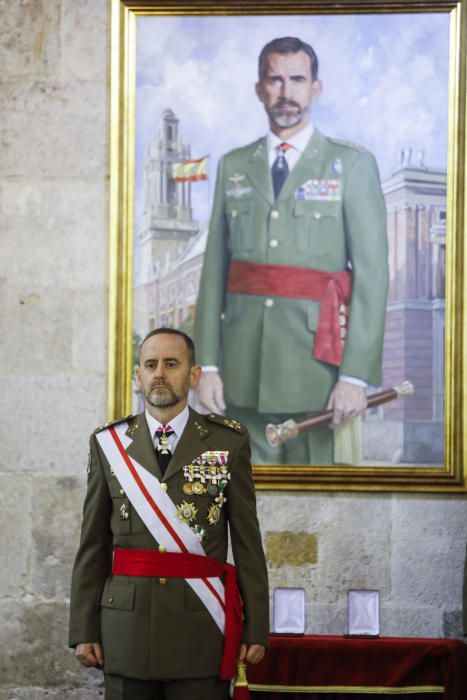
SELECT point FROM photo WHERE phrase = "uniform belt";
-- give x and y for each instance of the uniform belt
(332, 289)
(147, 562)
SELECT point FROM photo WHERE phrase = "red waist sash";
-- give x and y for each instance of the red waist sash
(332, 289)
(146, 562)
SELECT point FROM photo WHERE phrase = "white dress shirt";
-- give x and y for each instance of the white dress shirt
(178, 425)
(298, 142)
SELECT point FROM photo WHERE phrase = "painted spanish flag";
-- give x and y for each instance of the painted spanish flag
(190, 170)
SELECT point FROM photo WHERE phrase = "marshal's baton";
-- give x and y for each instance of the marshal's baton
(277, 434)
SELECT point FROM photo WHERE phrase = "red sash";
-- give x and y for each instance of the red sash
(331, 289)
(147, 562)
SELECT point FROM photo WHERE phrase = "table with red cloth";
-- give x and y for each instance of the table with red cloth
(339, 667)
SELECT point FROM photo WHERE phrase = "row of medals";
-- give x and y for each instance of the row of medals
(202, 479)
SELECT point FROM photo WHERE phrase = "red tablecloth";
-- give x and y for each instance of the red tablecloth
(312, 665)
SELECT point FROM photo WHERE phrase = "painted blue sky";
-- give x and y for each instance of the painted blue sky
(385, 84)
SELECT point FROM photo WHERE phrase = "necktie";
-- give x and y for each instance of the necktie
(280, 168)
(164, 454)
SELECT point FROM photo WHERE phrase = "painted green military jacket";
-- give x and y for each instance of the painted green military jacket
(263, 344)
(153, 628)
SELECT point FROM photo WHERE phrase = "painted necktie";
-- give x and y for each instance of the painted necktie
(280, 168)
(164, 455)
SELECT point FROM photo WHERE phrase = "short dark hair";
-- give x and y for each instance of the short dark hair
(190, 346)
(284, 45)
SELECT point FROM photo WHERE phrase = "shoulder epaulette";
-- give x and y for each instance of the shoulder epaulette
(347, 144)
(226, 422)
(253, 149)
(112, 422)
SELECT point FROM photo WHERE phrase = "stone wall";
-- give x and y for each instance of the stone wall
(53, 284)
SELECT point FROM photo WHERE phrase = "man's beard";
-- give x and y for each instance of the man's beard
(162, 399)
(284, 121)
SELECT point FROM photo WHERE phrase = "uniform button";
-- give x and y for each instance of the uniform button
(162, 549)
(273, 243)
(164, 486)
(163, 581)
(234, 213)
(275, 214)
(222, 316)
(122, 492)
(111, 600)
(317, 215)
(268, 303)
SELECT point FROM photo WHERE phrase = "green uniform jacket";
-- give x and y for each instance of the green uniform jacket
(264, 349)
(148, 629)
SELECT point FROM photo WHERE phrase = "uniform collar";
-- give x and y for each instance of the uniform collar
(178, 423)
(299, 140)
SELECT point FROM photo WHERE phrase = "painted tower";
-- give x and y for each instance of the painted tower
(414, 338)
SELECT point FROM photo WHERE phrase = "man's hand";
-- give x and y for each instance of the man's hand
(90, 654)
(210, 392)
(252, 653)
(346, 401)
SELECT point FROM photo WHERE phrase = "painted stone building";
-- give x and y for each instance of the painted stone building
(412, 431)
(166, 230)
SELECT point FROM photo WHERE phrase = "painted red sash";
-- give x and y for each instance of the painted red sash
(332, 289)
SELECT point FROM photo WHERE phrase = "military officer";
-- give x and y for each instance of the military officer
(295, 271)
(152, 601)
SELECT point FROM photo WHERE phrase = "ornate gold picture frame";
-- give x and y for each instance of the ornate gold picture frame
(447, 477)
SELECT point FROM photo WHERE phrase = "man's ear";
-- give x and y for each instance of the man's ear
(137, 377)
(316, 89)
(195, 374)
(259, 91)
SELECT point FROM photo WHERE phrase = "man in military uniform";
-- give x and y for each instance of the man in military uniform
(153, 602)
(295, 272)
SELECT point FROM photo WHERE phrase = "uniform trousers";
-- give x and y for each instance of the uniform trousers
(312, 447)
(121, 688)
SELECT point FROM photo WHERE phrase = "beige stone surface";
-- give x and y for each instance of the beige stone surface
(29, 36)
(15, 514)
(429, 539)
(56, 231)
(84, 18)
(54, 130)
(47, 694)
(291, 548)
(33, 643)
(47, 421)
(56, 506)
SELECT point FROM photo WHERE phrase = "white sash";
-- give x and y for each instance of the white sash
(165, 526)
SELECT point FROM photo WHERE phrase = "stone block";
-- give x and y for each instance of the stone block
(84, 27)
(54, 130)
(410, 620)
(29, 37)
(428, 542)
(64, 223)
(36, 328)
(15, 516)
(46, 694)
(291, 548)
(57, 412)
(89, 350)
(56, 517)
(34, 652)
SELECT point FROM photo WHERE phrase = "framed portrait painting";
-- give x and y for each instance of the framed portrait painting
(388, 87)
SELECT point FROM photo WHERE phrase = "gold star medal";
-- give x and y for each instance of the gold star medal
(187, 512)
(214, 514)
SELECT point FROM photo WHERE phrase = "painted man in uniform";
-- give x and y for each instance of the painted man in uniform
(153, 635)
(298, 218)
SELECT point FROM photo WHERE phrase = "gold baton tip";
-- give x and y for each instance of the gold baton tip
(272, 435)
